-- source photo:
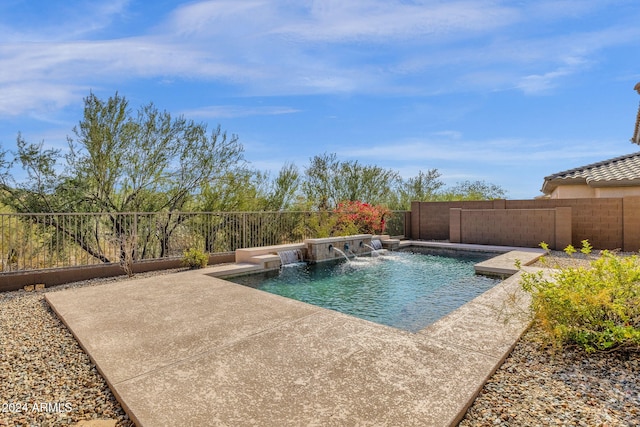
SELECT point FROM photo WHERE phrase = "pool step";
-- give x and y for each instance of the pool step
(228, 270)
(505, 265)
(248, 254)
(266, 261)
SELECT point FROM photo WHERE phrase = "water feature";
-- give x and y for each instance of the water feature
(352, 253)
(292, 256)
(406, 290)
(333, 248)
(377, 244)
(374, 251)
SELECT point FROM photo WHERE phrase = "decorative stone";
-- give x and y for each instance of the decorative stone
(96, 423)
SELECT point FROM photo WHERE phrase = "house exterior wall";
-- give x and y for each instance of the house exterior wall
(573, 192)
(581, 191)
(618, 191)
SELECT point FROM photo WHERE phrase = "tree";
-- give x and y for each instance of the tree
(476, 190)
(329, 181)
(149, 162)
(281, 192)
(321, 179)
(286, 188)
(121, 162)
(423, 187)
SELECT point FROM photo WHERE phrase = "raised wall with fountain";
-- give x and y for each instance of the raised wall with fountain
(330, 248)
(311, 250)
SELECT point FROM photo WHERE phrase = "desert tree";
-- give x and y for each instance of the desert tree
(329, 181)
(120, 161)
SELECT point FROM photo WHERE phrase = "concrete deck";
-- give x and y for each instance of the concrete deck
(191, 349)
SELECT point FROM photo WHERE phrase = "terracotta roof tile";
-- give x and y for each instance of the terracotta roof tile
(619, 171)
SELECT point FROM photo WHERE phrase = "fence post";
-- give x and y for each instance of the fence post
(244, 230)
(134, 238)
(407, 224)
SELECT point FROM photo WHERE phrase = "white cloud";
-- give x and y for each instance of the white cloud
(233, 111)
(538, 84)
(265, 47)
(436, 149)
(381, 20)
(39, 98)
(37, 21)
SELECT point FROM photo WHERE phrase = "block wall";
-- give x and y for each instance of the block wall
(520, 227)
(597, 220)
(430, 220)
(608, 223)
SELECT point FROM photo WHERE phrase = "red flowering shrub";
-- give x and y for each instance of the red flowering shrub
(362, 218)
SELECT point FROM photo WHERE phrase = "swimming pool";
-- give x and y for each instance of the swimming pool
(407, 289)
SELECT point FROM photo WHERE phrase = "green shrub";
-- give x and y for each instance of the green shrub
(596, 308)
(570, 250)
(586, 247)
(194, 258)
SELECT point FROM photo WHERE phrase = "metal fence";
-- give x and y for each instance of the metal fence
(41, 241)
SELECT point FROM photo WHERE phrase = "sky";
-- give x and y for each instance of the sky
(503, 91)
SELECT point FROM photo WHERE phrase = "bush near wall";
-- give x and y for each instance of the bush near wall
(596, 308)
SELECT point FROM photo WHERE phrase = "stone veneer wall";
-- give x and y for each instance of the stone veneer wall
(318, 250)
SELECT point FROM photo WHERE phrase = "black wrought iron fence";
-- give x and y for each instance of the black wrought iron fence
(53, 240)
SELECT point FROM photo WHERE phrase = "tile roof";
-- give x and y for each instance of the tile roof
(619, 171)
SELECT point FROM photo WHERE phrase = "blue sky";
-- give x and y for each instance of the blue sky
(504, 91)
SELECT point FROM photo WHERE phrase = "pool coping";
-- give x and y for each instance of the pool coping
(191, 349)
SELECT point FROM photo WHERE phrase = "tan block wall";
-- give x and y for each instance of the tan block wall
(596, 220)
(455, 225)
(432, 220)
(522, 227)
(631, 224)
(608, 223)
(563, 227)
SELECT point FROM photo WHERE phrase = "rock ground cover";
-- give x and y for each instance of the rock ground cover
(40, 362)
(536, 386)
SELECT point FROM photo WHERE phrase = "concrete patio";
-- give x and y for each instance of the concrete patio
(191, 349)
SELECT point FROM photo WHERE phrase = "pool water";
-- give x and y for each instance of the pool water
(405, 290)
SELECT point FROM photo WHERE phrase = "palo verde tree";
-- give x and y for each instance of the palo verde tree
(423, 187)
(329, 181)
(120, 161)
(473, 190)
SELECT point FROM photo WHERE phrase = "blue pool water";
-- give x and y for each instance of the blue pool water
(405, 290)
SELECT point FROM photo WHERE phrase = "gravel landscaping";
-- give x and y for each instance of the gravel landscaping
(43, 369)
(537, 387)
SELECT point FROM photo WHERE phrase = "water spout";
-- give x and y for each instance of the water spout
(373, 250)
(293, 256)
(342, 253)
(377, 244)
